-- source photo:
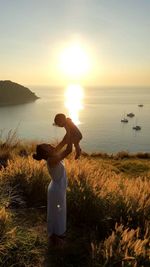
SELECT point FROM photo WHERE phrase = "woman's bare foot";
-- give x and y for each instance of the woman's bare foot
(60, 242)
(51, 241)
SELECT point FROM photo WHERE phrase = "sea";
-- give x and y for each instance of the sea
(97, 111)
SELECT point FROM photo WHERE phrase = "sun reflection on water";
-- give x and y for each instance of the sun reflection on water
(74, 101)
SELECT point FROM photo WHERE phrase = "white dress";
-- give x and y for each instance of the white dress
(56, 200)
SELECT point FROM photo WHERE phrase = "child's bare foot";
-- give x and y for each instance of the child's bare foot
(78, 153)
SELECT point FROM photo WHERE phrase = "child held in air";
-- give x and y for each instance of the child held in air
(72, 132)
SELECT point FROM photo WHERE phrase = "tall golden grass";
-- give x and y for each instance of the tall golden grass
(112, 205)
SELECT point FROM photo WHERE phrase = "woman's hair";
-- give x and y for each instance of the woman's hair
(43, 151)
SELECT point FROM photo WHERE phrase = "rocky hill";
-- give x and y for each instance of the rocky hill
(14, 94)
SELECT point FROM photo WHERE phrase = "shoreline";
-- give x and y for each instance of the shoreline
(17, 104)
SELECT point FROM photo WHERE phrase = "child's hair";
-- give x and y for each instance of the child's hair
(59, 118)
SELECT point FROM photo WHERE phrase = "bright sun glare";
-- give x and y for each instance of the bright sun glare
(74, 101)
(74, 61)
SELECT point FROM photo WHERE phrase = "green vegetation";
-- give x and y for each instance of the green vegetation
(13, 93)
(108, 201)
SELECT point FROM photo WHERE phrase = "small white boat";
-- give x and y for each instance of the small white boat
(131, 115)
(140, 105)
(124, 120)
(137, 128)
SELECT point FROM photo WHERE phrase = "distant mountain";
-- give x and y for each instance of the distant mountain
(14, 94)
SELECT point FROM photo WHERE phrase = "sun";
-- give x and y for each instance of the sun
(74, 61)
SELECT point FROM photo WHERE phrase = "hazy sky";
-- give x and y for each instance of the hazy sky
(114, 33)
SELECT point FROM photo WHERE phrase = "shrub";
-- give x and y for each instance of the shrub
(123, 246)
(29, 177)
(3, 222)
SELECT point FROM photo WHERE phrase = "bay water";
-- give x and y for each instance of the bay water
(98, 116)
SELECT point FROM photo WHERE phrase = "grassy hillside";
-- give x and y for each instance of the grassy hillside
(108, 199)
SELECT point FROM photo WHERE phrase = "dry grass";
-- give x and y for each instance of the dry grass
(124, 247)
(108, 211)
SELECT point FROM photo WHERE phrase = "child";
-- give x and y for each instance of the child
(72, 132)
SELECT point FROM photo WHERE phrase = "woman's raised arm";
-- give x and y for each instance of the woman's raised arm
(53, 160)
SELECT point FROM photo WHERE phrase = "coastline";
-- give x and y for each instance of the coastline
(18, 103)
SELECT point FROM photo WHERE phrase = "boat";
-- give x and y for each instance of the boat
(137, 128)
(124, 120)
(140, 105)
(131, 115)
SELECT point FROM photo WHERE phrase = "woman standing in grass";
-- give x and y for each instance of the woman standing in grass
(56, 205)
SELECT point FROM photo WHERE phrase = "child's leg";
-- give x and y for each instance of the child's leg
(78, 150)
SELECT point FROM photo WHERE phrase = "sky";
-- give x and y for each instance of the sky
(114, 35)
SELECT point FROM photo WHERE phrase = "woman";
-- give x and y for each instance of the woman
(56, 206)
